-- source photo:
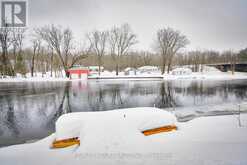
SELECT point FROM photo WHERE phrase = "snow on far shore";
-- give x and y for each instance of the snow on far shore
(32, 79)
(114, 137)
(209, 74)
(38, 77)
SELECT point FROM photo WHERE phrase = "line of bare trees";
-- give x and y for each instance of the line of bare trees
(52, 49)
(119, 40)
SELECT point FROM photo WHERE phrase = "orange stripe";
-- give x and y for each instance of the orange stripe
(65, 142)
(159, 130)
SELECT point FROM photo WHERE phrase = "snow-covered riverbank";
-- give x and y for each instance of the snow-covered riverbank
(207, 76)
(33, 79)
(115, 137)
(193, 76)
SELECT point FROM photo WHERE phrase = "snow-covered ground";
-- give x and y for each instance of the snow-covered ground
(36, 78)
(207, 76)
(209, 73)
(114, 137)
(32, 79)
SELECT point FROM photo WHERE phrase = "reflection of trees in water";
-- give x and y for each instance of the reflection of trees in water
(161, 92)
(96, 98)
(22, 104)
(142, 89)
(11, 118)
(199, 92)
(101, 97)
(64, 106)
(239, 90)
(165, 98)
(224, 90)
(116, 96)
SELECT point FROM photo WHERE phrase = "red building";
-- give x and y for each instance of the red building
(78, 72)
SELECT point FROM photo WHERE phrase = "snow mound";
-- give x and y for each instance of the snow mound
(135, 119)
(210, 69)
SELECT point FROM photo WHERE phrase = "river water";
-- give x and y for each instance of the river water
(28, 110)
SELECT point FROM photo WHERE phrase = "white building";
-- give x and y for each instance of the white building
(149, 69)
(181, 71)
(94, 70)
(130, 71)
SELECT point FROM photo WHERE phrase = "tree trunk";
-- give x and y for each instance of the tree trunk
(117, 69)
(51, 64)
(163, 68)
(32, 67)
(233, 68)
(168, 68)
(99, 70)
(163, 64)
(99, 63)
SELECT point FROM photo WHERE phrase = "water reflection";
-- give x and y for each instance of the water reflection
(64, 105)
(166, 97)
(29, 110)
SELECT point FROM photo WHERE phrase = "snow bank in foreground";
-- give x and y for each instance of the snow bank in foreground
(114, 138)
(136, 119)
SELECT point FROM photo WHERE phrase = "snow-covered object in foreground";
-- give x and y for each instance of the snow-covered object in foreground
(181, 71)
(136, 119)
(109, 131)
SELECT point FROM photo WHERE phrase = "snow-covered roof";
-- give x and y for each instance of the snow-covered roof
(128, 69)
(148, 67)
(181, 69)
(95, 67)
(76, 67)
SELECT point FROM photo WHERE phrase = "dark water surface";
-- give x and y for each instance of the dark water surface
(28, 110)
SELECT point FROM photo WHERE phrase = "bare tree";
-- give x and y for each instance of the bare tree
(36, 44)
(195, 60)
(134, 60)
(5, 42)
(146, 57)
(168, 43)
(51, 60)
(98, 41)
(17, 42)
(232, 58)
(121, 40)
(62, 43)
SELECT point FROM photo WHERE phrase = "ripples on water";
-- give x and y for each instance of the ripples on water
(29, 110)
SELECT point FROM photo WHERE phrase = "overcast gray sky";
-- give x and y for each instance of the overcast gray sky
(211, 24)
